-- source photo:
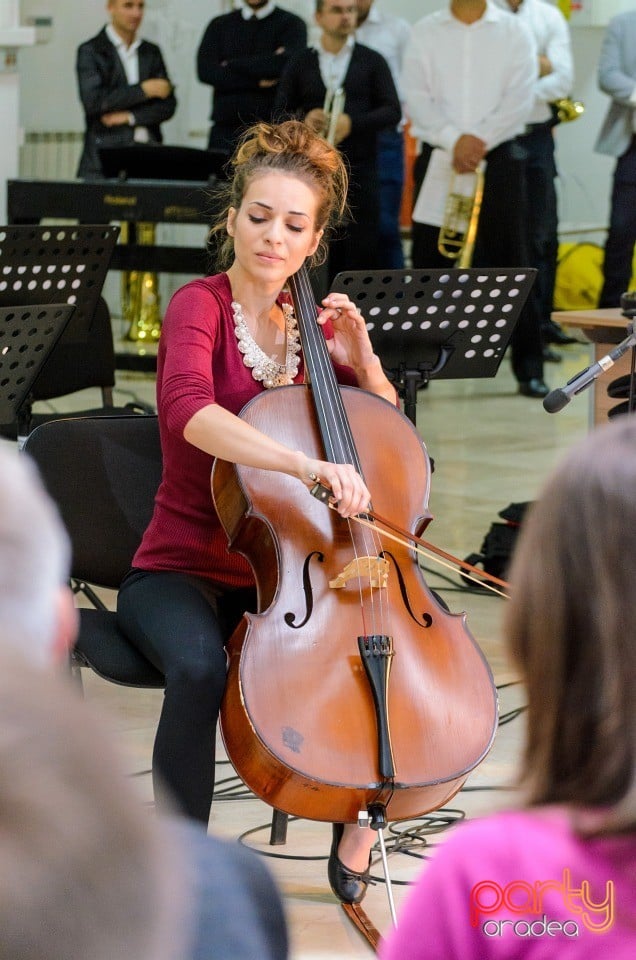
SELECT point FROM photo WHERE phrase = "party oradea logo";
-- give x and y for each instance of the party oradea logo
(519, 908)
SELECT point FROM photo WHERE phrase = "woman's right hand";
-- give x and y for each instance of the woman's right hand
(222, 434)
(350, 493)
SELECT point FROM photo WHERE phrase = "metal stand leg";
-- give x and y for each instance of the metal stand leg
(387, 877)
(278, 831)
(375, 818)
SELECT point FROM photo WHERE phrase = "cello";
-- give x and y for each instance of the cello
(352, 688)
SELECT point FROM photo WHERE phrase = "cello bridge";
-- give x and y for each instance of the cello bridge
(375, 568)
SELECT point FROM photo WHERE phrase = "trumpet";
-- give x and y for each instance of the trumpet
(333, 107)
(461, 217)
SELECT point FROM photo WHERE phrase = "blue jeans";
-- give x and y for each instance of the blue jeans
(391, 174)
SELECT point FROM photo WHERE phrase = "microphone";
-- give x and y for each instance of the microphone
(559, 398)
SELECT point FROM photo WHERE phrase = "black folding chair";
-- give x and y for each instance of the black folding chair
(103, 473)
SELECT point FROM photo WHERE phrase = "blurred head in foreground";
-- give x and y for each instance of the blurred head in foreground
(570, 626)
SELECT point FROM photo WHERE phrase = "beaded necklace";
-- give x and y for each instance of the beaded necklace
(267, 369)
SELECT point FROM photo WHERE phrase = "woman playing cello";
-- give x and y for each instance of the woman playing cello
(225, 339)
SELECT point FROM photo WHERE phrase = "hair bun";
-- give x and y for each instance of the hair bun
(292, 138)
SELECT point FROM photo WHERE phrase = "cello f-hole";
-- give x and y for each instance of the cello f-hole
(290, 617)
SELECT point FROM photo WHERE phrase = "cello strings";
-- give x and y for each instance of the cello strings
(339, 440)
(332, 415)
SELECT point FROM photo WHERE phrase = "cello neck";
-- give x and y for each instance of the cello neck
(332, 418)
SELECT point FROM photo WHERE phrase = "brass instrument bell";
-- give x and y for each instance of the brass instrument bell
(140, 294)
(461, 218)
(568, 109)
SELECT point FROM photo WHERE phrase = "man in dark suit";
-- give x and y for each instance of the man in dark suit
(371, 104)
(123, 85)
(242, 55)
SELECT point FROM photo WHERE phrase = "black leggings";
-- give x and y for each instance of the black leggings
(180, 623)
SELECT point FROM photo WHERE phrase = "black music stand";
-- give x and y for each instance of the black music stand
(52, 266)
(156, 161)
(438, 324)
(56, 264)
(27, 337)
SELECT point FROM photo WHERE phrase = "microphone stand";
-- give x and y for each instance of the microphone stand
(557, 399)
(628, 306)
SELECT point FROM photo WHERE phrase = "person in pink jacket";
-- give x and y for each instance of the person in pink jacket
(556, 878)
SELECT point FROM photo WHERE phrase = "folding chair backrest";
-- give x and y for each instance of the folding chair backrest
(103, 473)
(75, 364)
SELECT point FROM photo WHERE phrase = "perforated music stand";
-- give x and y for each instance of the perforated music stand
(27, 336)
(53, 265)
(438, 324)
(56, 264)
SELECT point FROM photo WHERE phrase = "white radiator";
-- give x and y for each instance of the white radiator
(50, 155)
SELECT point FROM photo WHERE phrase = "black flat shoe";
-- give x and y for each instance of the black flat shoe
(533, 388)
(551, 356)
(553, 333)
(348, 886)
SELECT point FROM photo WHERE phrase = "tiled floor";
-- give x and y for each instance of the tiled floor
(491, 447)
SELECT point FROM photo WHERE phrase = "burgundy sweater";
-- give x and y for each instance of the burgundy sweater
(198, 364)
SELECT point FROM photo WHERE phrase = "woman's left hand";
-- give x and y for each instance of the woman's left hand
(350, 344)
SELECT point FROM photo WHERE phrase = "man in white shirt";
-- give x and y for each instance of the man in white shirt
(123, 85)
(468, 83)
(554, 79)
(388, 35)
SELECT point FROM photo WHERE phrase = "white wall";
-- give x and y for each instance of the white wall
(49, 95)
